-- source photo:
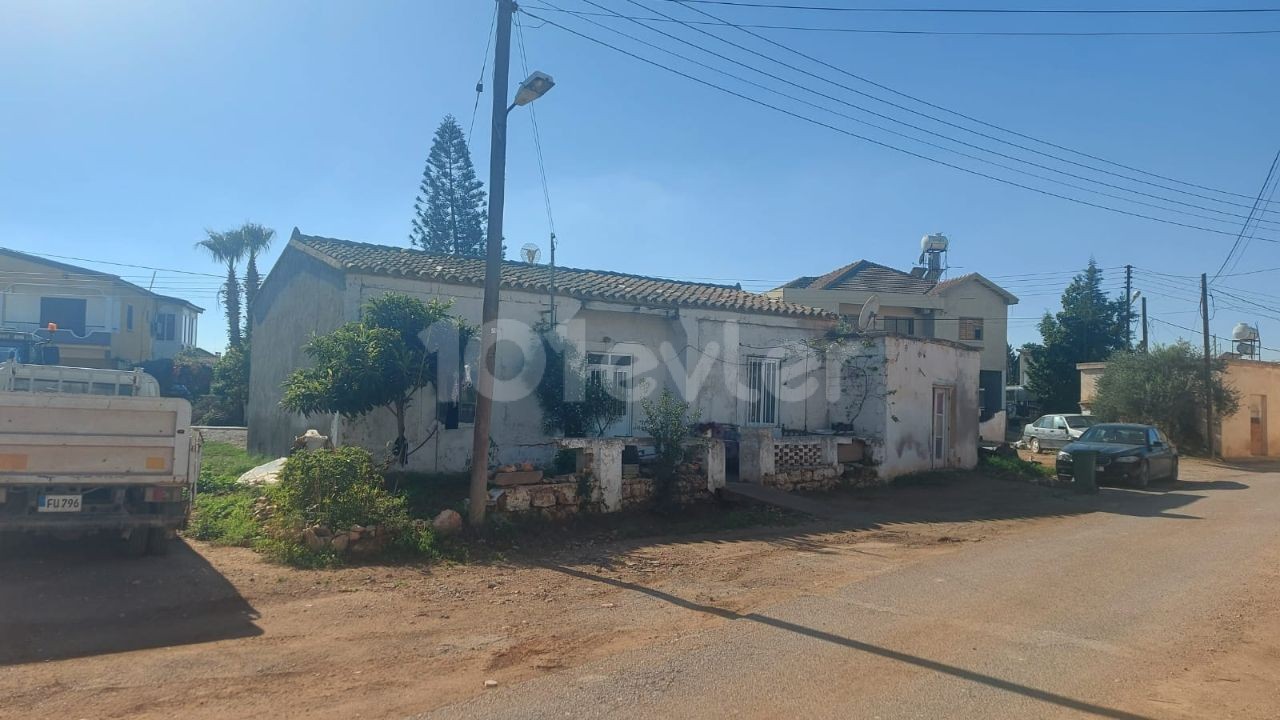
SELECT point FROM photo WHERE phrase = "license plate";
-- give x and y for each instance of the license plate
(58, 503)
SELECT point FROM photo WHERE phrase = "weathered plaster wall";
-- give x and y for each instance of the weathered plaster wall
(301, 297)
(1252, 379)
(913, 369)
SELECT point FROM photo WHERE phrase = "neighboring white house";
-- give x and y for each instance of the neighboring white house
(740, 358)
(969, 309)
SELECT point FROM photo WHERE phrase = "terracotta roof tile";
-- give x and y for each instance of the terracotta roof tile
(864, 276)
(586, 284)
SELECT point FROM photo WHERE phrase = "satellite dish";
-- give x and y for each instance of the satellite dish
(530, 253)
(870, 311)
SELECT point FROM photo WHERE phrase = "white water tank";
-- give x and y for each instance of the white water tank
(935, 242)
(1244, 331)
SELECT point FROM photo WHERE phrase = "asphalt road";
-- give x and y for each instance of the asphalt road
(1071, 618)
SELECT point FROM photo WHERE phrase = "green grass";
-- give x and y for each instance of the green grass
(222, 464)
(225, 519)
(1015, 468)
(223, 511)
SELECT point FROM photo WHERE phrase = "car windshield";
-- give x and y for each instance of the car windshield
(1115, 435)
(1077, 422)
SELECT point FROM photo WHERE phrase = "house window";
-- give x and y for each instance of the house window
(763, 375)
(66, 313)
(971, 329)
(166, 326)
(900, 326)
(613, 371)
(128, 318)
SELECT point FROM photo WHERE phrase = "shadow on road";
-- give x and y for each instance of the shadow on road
(63, 600)
(932, 665)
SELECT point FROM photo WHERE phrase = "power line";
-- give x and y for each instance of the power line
(970, 118)
(954, 33)
(50, 256)
(718, 20)
(983, 11)
(537, 136)
(893, 119)
(1266, 205)
(484, 63)
(873, 141)
(1244, 228)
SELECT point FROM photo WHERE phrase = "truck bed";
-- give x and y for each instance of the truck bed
(95, 440)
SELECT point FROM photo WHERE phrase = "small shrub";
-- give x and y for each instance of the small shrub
(667, 420)
(337, 489)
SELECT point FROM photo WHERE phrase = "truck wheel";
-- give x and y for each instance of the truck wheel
(158, 541)
(136, 544)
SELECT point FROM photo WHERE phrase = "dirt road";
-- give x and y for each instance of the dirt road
(982, 595)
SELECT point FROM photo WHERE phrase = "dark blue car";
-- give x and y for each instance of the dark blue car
(1126, 453)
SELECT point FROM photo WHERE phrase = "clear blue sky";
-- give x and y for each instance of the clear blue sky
(127, 128)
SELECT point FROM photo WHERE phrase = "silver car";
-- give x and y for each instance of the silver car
(1052, 432)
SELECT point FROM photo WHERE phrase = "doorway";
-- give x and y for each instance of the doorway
(941, 436)
(1258, 425)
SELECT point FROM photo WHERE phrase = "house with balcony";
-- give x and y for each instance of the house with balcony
(101, 320)
(968, 309)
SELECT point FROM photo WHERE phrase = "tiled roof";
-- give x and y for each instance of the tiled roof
(946, 285)
(864, 276)
(587, 284)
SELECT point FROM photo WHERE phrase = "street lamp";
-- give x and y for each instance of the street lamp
(534, 87)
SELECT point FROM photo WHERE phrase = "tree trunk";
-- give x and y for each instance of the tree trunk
(251, 283)
(232, 301)
(402, 443)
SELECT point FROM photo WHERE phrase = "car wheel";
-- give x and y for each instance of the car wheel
(1144, 475)
(1035, 445)
(1173, 476)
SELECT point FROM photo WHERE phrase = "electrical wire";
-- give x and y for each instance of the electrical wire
(484, 63)
(873, 141)
(1238, 244)
(1276, 225)
(956, 33)
(970, 118)
(983, 11)
(537, 136)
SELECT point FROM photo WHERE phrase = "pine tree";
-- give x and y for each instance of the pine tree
(449, 211)
(1089, 328)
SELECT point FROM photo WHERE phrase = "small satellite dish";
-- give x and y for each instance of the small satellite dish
(870, 311)
(530, 253)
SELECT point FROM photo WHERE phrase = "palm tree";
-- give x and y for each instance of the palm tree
(254, 239)
(227, 247)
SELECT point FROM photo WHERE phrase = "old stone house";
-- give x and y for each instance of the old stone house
(741, 359)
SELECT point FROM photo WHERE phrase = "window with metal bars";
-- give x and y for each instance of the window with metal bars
(763, 376)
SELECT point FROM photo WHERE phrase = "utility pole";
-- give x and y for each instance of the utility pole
(1208, 365)
(1128, 307)
(1145, 347)
(492, 267)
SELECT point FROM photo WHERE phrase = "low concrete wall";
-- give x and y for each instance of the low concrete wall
(238, 436)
